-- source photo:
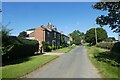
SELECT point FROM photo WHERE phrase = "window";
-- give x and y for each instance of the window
(48, 34)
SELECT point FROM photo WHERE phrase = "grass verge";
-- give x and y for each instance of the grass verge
(64, 50)
(105, 69)
(18, 70)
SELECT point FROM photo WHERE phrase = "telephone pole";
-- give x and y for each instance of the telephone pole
(95, 34)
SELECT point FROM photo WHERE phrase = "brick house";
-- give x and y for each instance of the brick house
(48, 33)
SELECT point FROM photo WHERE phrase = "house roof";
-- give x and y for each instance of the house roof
(31, 29)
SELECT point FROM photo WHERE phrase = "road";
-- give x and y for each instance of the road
(74, 64)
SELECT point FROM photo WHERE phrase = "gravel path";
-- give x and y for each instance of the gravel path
(74, 64)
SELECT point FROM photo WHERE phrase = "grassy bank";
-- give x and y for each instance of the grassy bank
(106, 70)
(64, 50)
(27, 65)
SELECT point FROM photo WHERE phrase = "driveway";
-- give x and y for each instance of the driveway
(74, 64)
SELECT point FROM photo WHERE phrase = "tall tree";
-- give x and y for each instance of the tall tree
(77, 36)
(90, 35)
(113, 17)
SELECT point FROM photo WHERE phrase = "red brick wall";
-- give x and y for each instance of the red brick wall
(39, 35)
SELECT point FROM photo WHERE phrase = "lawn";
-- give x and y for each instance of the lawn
(30, 64)
(64, 50)
(106, 70)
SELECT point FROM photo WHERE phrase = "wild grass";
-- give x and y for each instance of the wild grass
(106, 70)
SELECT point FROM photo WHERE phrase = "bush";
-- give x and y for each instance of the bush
(61, 47)
(116, 47)
(45, 47)
(105, 45)
(53, 47)
(21, 48)
(50, 47)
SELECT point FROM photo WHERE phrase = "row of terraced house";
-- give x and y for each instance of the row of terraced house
(49, 34)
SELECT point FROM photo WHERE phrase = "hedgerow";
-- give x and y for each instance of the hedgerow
(20, 48)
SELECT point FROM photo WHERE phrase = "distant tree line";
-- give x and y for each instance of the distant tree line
(77, 36)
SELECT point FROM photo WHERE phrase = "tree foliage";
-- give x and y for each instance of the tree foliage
(90, 35)
(6, 41)
(23, 34)
(5, 33)
(110, 39)
(113, 17)
(77, 36)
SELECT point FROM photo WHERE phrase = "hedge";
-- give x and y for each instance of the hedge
(21, 48)
(114, 47)
(105, 45)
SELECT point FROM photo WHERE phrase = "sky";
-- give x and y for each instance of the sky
(66, 16)
(51, 0)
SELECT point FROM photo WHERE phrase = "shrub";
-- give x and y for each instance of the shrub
(105, 45)
(50, 47)
(116, 47)
(53, 47)
(60, 46)
(21, 48)
(45, 47)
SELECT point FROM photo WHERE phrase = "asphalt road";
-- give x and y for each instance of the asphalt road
(74, 64)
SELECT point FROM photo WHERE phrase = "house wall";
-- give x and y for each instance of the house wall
(48, 37)
(54, 36)
(39, 35)
(29, 32)
(58, 39)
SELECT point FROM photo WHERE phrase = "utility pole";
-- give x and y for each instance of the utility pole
(95, 34)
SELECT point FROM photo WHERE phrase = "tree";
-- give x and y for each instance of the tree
(90, 35)
(6, 41)
(77, 36)
(5, 33)
(113, 17)
(110, 39)
(23, 34)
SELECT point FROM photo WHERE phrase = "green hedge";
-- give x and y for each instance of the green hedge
(21, 48)
(114, 50)
(116, 47)
(105, 45)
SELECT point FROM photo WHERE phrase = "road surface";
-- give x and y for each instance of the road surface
(74, 64)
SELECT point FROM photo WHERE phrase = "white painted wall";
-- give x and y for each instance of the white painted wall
(32, 38)
(28, 32)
